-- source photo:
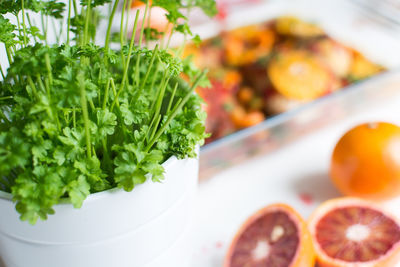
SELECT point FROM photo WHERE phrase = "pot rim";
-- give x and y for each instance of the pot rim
(167, 164)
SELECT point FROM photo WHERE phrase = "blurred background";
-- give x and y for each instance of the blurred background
(266, 58)
(288, 79)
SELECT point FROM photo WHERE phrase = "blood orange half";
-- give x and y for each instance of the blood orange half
(349, 232)
(274, 236)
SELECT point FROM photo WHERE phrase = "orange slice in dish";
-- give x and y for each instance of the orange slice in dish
(246, 45)
(362, 68)
(349, 232)
(293, 26)
(299, 75)
(274, 236)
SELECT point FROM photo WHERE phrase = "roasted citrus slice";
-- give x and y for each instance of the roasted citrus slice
(274, 236)
(299, 75)
(247, 44)
(350, 232)
(242, 118)
(336, 56)
(362, 68)
(288, 25)
(366, 163)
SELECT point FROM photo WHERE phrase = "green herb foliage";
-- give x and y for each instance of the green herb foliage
(77, 118)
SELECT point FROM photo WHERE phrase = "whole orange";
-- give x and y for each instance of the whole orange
(366, 161)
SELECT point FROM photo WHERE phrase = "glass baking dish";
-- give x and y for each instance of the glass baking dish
(343, 20)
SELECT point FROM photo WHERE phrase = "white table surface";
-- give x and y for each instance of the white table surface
(300, 168)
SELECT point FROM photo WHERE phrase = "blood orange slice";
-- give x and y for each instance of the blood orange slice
(350, 232)
(274, 236)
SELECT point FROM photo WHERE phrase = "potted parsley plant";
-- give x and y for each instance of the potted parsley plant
(83, 123)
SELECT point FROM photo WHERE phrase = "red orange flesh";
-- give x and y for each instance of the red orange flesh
(274, 236)
(350, 232)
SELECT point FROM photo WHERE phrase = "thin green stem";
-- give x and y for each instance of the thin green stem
(88, 13)
(8, 52)
(157, 93)
(69, 109)
(160, 97)
(140, 43)
(106, 155)
(74, 118)
(13, 49)
(91, 104)
(75, 7)
(57, 35)
(106, 94)
(32, 85)
(18, 24)
(99, 82)
(149, 129)
(48, 66)
(69, 20)
(6, 97)
(39, 79)
(60, 33)
(31, 25)
(182, 47)
(121, 33)
(10, 60)
(114, 92)
(50, 110)
(23, 21)
(169, 38)
(85, 113)
(155, 52)
(44, 27)
(153, 132)
(175, 111)
(9, 55)
(110, 20)
(172, 98)
(153, 81)
(48, 85)
(66, 117)
(156, 105)
(127, 20)
(2, 73)
(125, 76)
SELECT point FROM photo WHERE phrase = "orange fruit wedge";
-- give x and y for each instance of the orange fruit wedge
(274, 236)
(350, 232)
(366, 161)
(299, 75)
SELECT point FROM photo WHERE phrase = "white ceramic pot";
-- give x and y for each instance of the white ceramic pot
(148, 227)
